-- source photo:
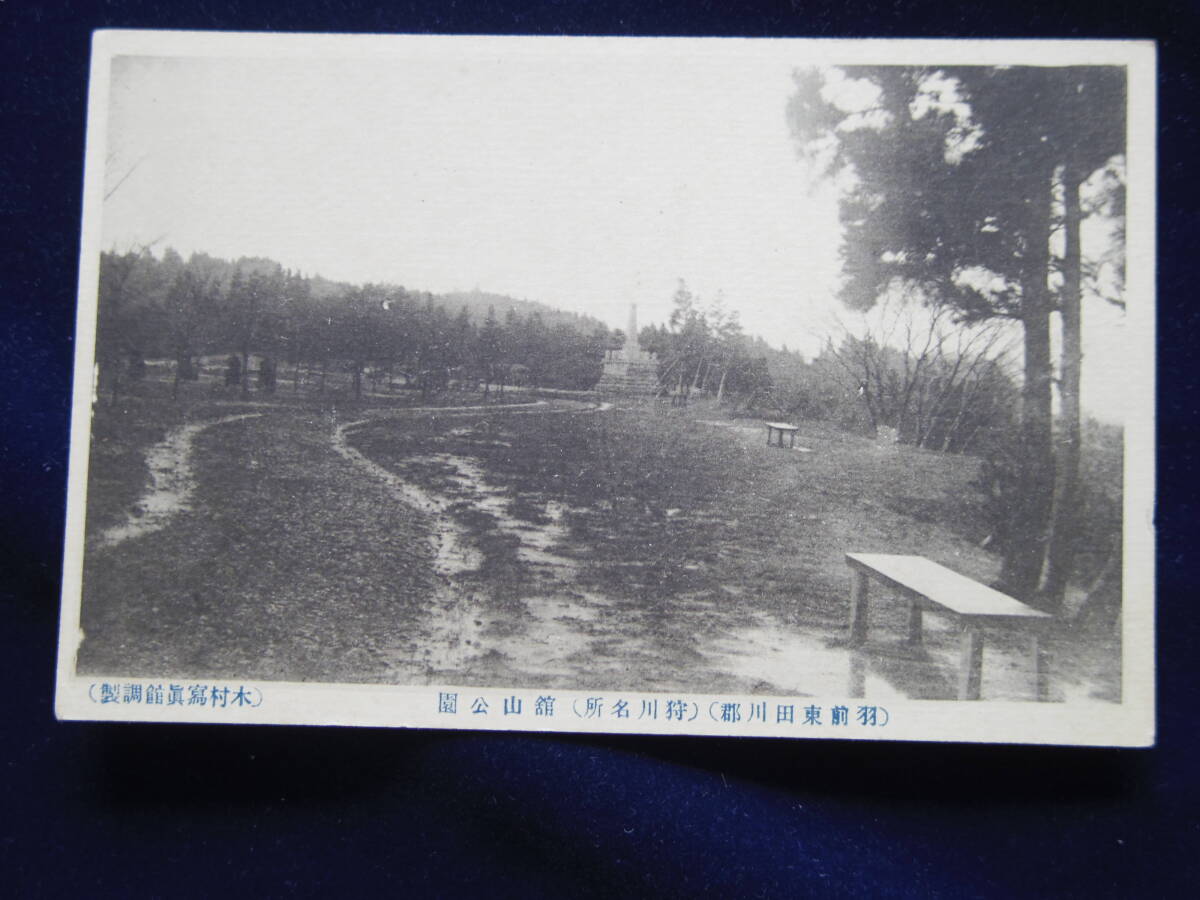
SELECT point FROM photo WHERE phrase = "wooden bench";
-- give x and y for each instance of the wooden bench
(931, 587)
(783, 428)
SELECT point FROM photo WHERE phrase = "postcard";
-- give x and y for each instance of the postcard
(737, 387)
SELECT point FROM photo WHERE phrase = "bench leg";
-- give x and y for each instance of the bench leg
(915, 624)
(970, 664)
(791, 440)
(1037, 672)
(858, 609)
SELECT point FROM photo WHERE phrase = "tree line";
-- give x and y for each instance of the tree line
(703, 348)
(278, 326)
(934, 383)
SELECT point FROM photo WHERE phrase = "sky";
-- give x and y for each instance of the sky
(586, 181)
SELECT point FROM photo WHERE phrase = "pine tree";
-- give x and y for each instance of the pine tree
(955, 172)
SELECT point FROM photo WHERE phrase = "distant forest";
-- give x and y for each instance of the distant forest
(298, 327)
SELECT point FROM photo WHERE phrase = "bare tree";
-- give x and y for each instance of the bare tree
(918, 370)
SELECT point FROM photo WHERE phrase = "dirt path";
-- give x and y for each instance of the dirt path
(462, 625)
(540, 407)
(172, 483)
(450, 629)
(452, 550)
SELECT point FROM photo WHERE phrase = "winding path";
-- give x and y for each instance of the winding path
(452, 553)
(171, 486)
(457, 621)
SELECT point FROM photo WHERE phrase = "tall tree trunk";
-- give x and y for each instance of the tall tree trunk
(1060, 550)
(721, 386)
(1031, 506)
(245, 371)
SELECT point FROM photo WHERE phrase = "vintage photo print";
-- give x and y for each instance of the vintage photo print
(783, 388)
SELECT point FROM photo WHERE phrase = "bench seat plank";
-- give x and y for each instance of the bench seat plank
(783, 426)
(945, 587)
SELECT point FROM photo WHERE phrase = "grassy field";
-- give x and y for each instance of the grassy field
(639, 547)
(684, 529)
(286, 564)
(662, 504)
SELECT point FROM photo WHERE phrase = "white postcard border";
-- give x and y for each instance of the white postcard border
(1130, 723)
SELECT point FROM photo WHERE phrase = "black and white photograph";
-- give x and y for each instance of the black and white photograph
(702, 386)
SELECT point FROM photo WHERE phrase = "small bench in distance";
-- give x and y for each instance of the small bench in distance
(930, 586)
(782, 428)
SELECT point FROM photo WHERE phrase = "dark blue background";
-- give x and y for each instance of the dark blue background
(196, 810)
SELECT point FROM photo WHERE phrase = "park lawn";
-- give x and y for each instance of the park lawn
(293, 563)
(693, 528)
(289, 565)
(663, 506)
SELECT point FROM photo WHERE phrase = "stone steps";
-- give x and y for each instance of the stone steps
(627, 378)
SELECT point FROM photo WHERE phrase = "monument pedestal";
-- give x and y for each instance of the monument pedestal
(630, 371)
(629, 377)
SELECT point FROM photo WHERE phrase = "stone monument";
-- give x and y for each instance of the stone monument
(629, 371)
